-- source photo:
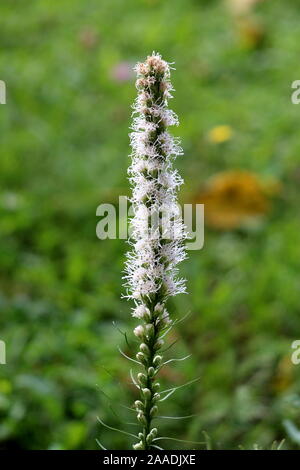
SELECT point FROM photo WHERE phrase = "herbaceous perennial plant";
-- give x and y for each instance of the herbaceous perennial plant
(157, 233)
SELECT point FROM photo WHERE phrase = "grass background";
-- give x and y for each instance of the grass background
(64, 147)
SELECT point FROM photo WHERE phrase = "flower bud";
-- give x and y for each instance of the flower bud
(149, 438)
(156, 397)
(156, 386)
(153, 411)
(159, 308)
(139, 331)
(157, 360)
(152, 435)
(154, 173)
(147, 393)
(142, 378)
(149, 330)
(141, 358)
(165, 319)
(151, 371)
(144, 348)
(141, 417)
(138, 446)
(159, 343)
(138, 405)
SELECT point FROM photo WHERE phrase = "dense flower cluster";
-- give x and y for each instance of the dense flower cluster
(157, 232)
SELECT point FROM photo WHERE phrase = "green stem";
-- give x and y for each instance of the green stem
(151, 366)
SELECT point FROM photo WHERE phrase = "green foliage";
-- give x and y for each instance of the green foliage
(64, 146)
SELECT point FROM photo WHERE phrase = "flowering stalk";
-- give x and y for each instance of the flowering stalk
(157, 232)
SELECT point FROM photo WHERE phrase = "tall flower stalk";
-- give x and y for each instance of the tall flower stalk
(157, 232)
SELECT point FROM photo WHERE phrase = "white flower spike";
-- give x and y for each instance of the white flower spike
(158, 234)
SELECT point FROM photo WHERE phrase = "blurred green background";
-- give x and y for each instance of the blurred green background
(64, 146)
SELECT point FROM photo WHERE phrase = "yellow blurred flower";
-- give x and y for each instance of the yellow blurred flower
(251, 32)
(220, 134)
(234, 198)
(242, 7)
